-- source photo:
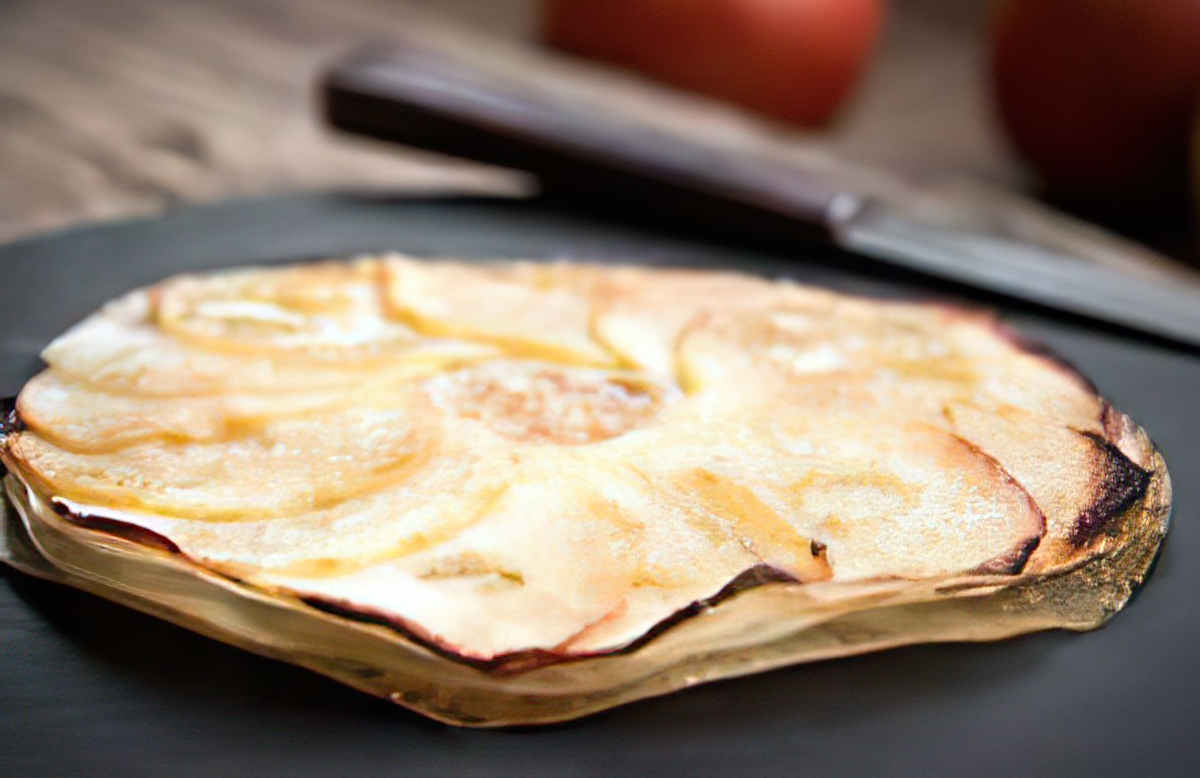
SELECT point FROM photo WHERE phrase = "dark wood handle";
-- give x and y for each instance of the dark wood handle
(421, 98)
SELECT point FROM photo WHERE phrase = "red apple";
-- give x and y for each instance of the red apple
(1099, 95)
(795, 60)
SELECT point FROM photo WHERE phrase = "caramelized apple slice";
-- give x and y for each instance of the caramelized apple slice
(83, 419)
(525, 310)
(641, 321)
(908, 500)
(1075, 477)
(428, 508)
(906, 359)
(121, 350)
(788, 344)
(1010, 373)
(329, 311)
(286, 466)
(887, 497)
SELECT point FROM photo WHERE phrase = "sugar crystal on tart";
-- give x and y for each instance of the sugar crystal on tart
(548, 489)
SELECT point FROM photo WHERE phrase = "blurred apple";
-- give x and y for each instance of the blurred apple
(1196, 170)
(795, 60)
(1099, 95)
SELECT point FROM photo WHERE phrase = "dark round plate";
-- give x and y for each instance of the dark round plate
(90, 688)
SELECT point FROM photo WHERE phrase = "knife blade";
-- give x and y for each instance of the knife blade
(1023, 271)
(419, 97)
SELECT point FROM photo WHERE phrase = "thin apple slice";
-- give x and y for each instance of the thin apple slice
(525, 310)
(423, 511)
(83, 419)
(120, 349)
(733, 514)
(287, 466)
(887, 498)
(1011, 372)
(1070, 473)
(907, 359)
(785, 345)
(641, 321)
(908, 500)
(325, 311)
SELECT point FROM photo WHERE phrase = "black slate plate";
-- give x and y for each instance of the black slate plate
(90, 688)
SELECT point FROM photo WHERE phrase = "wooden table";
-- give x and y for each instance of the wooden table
(129, 106)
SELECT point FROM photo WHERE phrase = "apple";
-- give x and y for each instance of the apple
(795, 60)
(1099, 95)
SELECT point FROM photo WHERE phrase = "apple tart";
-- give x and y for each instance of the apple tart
(514, 492)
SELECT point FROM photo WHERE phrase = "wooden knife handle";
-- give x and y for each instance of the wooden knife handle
(422, 98)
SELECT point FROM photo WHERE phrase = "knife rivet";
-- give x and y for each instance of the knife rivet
(843, 206)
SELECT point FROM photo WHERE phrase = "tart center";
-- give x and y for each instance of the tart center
(546, 403)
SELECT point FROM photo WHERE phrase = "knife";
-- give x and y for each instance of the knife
(419, 97)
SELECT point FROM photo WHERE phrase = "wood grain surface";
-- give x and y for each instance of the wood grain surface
(128, 106)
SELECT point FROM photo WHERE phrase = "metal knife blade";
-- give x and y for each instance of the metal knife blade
(1019, 270)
